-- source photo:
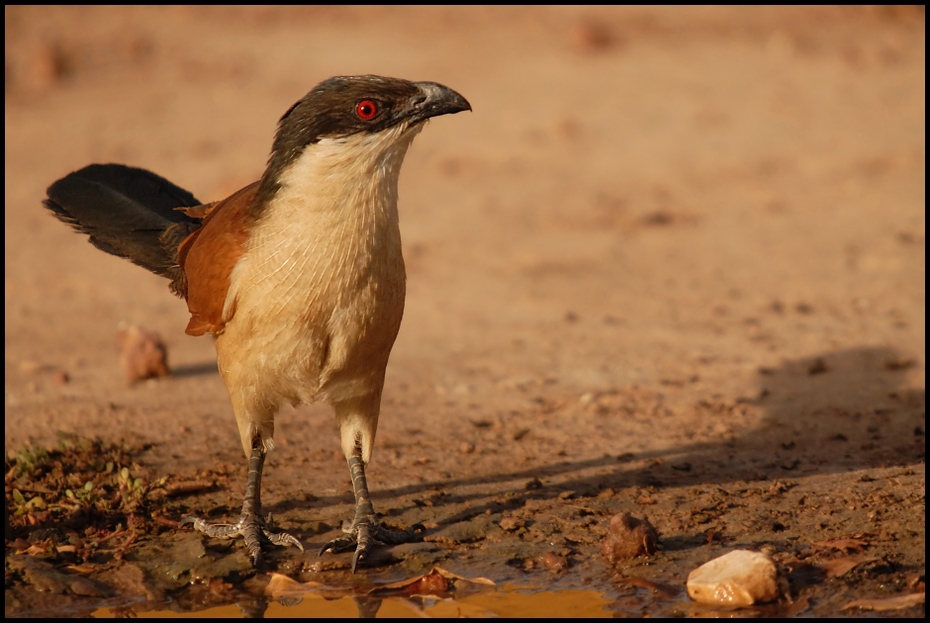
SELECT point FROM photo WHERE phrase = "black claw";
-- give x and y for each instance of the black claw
(338, 545)
(366, 530)
(365, 533)
(359, 557)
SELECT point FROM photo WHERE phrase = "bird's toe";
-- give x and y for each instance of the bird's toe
(366, 532)
(251, 528)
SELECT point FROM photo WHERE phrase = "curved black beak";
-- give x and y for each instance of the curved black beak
(435, 99)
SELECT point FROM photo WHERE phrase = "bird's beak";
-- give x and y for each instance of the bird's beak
(433, 100)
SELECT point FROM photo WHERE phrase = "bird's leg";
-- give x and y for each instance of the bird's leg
(365, 529)
(251, 525)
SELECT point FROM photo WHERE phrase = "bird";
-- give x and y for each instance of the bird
(299, 276)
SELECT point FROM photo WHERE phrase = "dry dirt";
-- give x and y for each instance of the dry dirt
(672, 264)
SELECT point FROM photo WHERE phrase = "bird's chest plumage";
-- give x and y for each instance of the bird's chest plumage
(315, 302)
(316, 311)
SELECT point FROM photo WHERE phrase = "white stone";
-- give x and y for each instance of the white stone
(740, 578)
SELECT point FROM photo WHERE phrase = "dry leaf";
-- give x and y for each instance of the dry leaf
(36, 549)
(841, 566)
(892, 603)
(845, 545)
(84, 568)
(436, 582)
(430, 584)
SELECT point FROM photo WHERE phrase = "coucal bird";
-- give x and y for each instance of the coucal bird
(298, 276)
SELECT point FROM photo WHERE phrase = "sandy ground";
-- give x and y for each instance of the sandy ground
(673, 263)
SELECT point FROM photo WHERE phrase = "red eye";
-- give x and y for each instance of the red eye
(366, 110)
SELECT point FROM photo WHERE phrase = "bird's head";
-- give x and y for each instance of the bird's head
(356, 117)
(347, 105)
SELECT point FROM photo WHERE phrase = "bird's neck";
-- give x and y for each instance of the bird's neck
(335, 209)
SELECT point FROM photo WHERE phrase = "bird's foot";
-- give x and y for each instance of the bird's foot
(365, 532)
(250, 527)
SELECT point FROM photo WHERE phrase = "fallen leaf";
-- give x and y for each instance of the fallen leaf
(36, 549)
(430, 584)
(435, 582)
(841, 566)
(892, 603)
(845, 545)
(177, 489)
(84, 568)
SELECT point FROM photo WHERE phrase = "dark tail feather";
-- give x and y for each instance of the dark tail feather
(126, 211)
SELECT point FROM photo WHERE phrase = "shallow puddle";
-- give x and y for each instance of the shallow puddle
(508, 602)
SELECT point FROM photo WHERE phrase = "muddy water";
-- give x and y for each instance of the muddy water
(510, 601)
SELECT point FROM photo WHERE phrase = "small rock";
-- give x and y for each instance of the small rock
(818, 366)
(43, 66)
(89, 588)
(592, 36)
(554, 562)
(61, 377)
(143, 354)
(628, 537)
(511, 524)
(44, 577)
(740, 578)
(520, 434)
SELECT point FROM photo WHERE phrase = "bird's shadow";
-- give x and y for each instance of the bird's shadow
(835, 412)
(195, 369)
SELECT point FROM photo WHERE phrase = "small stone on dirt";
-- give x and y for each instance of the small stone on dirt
(628, 537)
(60, 377)
(510, 524)
(740, 578)
(143, 354)
(554, 562)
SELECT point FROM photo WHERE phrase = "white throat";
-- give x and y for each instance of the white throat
(332, 222)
